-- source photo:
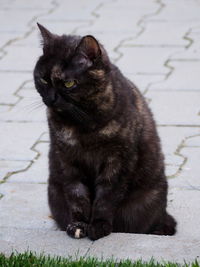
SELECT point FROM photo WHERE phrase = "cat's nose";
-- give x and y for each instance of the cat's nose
(50, 99)
(49, 102)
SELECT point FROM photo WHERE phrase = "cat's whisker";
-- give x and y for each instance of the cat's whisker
(38, 107)
(30, 101)
(33, 106)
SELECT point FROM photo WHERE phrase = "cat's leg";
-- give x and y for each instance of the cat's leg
(108, 193)
(144, 211)
(166, 227)
(101, 221)
(136, 216)
(58, 205)
(70, 207)
(78, 199)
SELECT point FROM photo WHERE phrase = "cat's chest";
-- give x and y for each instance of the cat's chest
(67, 137)
(80, 151)
(70, 138)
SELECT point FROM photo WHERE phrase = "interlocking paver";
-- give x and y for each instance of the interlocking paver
(10, 83)
(172, 139)
(20, 59)
(18, 20)
(183, 203)
(143, 246)
(17, 139)
(30, 210)
(58, 27)
(105, 28)
(29, 108)
(144, 81)
(145, 60)
(4, 108)
(155, 34)
(7, 166)
(75, 10)
(6, 37)
(182, 11)
(189, 177)
(193, 53)
(38, 172)
(178, 108)
(185, 76)
(193, 141)
(24, 5)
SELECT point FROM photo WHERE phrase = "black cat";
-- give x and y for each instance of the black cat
(106, 165)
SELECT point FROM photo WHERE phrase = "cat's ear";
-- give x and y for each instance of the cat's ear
(90, 47)
(47, 36)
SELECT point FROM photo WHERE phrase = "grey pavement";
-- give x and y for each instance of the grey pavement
(157, 45)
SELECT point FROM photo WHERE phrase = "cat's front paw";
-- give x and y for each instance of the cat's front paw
(99, 229)
(77, 229)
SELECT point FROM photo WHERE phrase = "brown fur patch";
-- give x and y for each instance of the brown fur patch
(56, 72)
(104, 99)
(111, 128)
(97, 74)
(139, 101)
(66, 135)
(107, 99)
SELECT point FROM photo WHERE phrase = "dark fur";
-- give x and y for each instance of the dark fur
(106, 165)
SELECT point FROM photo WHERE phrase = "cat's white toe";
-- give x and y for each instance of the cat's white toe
(77, 233)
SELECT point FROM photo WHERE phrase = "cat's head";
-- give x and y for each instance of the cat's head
(71, 70)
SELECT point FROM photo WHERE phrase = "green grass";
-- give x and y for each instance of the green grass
(30, 259)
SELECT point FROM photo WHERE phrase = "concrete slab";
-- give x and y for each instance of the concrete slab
(4, 108)
(58, 27)
(194, 141)
(185, 12)
(155, 34)
(143, 81)
(182, 203)
(193, 51)
(78, 11)
(18, 15)
(17, 140)
(117, 246)
(7, 37)
(9, 166)
(139, 59)
(25, 63)
(25, 206)
(136, 247)
(185, 104)
(182, 78)
(54, 243)
(38, 171)
(10, 84)
(188, 175)
(23, 5)
(172, 139)
(29, 108)
(110, 40)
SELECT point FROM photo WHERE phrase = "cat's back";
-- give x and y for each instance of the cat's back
(132, 104)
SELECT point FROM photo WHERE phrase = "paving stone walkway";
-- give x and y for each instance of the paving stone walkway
(157, 45)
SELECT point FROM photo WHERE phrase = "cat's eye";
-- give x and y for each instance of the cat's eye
(43, 81)
(70, 83)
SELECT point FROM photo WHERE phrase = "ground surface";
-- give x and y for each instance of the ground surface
(157, 45)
